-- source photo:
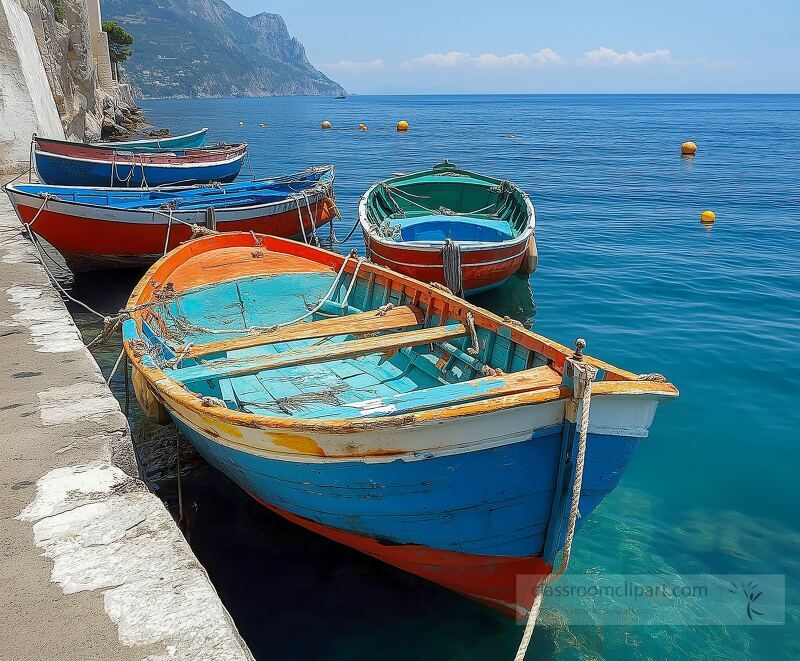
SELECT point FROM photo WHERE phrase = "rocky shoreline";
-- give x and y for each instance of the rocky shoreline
(122, 121)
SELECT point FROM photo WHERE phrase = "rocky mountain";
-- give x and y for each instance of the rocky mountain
(203, 48)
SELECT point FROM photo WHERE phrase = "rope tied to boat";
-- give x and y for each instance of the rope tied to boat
(451, 264)
(513, 322)
(652, 376)
(200, 230)
(46, 197)
(440, 287)
(169, 228)
(383, 309)
(167, 294)
(314, 237)
(110, 326)
(583, 376)
(475, 349)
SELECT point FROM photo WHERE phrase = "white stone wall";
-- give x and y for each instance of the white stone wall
(26, 102)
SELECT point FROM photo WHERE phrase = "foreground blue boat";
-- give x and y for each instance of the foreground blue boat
(185, 141)
(379, 411)
(61, 163)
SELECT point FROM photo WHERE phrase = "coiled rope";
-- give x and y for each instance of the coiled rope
(583, 377)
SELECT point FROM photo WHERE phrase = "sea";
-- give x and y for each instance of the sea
(624, 263)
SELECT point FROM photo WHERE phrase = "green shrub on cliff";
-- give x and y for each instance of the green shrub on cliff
(58, 11)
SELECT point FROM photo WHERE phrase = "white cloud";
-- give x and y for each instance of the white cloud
(354, 66)
(440, 60)
(605, 55)
(484, 61)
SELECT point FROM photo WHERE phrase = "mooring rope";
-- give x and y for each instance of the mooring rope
(254, 330)
(582, 384)
(314, 237)
(352, 282)
(169, 229)
(451, 263)
(300, 218)
(114, 369)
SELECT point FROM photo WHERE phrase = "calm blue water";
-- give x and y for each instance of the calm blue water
(625, 263)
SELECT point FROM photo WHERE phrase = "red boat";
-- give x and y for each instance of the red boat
(101, 228)
(457, 228)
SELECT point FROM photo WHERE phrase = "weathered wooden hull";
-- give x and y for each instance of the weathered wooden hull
(465, 484)
(74, 164)
(481, 268)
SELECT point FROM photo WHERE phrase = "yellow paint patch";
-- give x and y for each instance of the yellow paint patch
(226, 427)
(297, 442)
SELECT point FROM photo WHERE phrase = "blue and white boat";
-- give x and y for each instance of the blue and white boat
(381, 412)
(62, 163)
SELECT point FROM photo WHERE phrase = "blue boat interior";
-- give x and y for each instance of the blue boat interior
(447, 203)
(416, 377)
(241, 194)
(463, 229)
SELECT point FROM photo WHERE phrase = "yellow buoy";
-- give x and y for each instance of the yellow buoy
(688, 148)
(326, 124)
(402, 125)
(362, 127)
(262, 125)
(707, 217)
(241, 123)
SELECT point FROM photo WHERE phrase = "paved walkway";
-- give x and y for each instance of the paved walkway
(92, 565)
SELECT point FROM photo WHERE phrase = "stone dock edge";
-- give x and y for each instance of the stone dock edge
(94, 566)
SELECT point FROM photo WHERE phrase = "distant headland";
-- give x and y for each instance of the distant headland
(203, 48)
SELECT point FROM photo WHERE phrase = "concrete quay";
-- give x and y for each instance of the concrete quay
(92, 566)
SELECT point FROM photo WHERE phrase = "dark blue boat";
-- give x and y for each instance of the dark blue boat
(61, 163)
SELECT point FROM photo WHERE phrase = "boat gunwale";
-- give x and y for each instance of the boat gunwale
(144, 141)
(436, 246)
(231, 155)
(318, 196)
(164, 387)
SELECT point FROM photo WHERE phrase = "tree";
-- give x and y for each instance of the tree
(119, 40)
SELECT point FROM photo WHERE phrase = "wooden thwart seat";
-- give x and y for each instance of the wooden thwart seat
(317, 354)
(364, 322)
(464, 392)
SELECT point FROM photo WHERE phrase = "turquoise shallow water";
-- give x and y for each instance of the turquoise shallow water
(625, 263)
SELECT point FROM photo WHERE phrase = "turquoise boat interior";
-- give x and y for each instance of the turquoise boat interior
(197, 339)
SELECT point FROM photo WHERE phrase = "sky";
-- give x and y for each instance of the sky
(513, 46)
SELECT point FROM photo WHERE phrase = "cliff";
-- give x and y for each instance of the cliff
(54, 66)
(203, 48)
(88, 100)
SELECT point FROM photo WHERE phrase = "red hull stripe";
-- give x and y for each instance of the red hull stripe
(94, 153)
(479, 268)
(491, 579)
(87, 236)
